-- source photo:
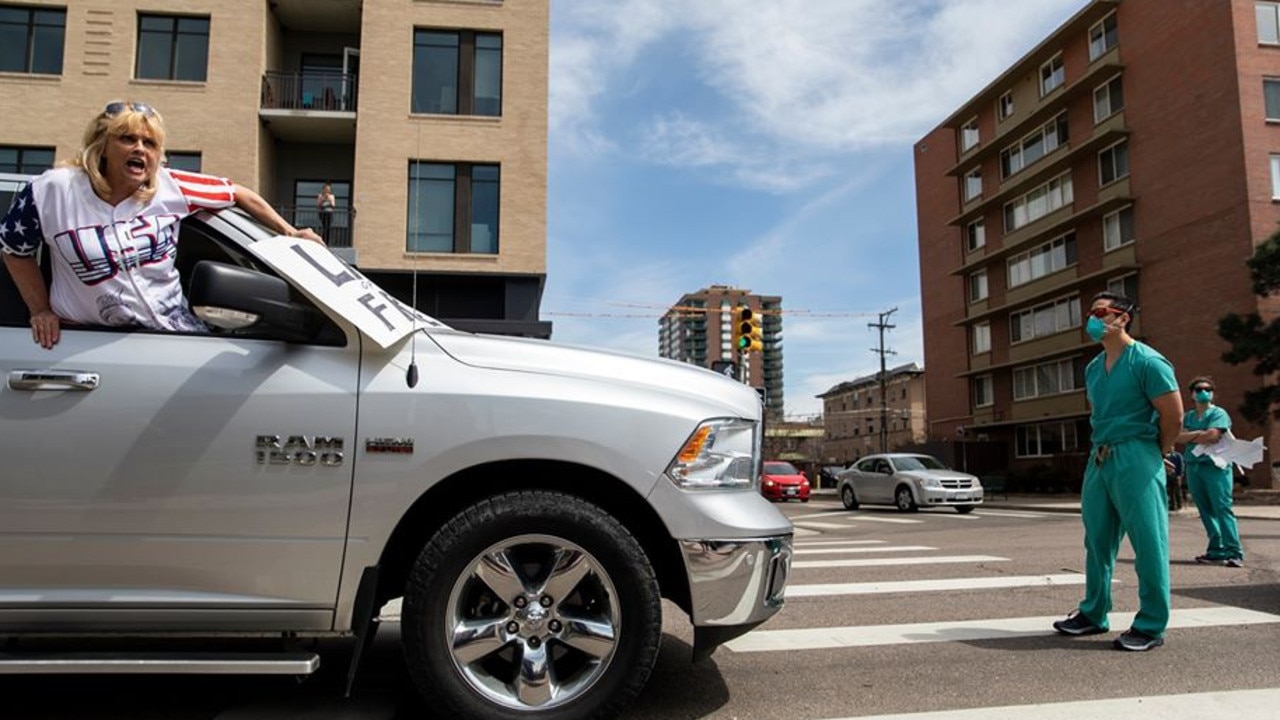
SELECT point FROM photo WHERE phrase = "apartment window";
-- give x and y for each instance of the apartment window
(1108, 99)
(1113, 163)
(1126, 285)
(1045, 439)
(983, 391)
(1117, 228)
(1103, 36)
(453, 208)
(1041, 201)
(975, 235)
(1004, 106)
(1034, 146)
(31, 39)
(973, 184)
(978, 286)
(1275, 177)
(1046, 259)
(172, 47)
(1044, 320)
(981, 338)
(969, 135)
(1052, 75)
(25, 160)
(1045, 379)
(1271, 93)
(189, 161)
(1268, 24)
(457, 73)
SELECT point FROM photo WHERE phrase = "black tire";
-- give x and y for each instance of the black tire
(597, 642)
(964, 509)
(904, 500)
(848, 497)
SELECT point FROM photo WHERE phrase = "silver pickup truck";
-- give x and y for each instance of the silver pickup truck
(224, 502)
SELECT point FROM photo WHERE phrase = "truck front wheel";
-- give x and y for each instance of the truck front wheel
(531, 605)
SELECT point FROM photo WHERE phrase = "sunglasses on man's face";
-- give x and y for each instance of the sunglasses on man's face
(115, 108)
(1202, 387)
(1102, 312)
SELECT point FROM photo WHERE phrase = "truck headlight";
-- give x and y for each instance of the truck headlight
(722, 454)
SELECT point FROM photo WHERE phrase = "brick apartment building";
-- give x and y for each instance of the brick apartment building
(429, 118)
(853, 416)
(698, 330)
(1137, 149)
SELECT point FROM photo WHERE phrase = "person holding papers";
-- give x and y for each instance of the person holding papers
(1209, 483)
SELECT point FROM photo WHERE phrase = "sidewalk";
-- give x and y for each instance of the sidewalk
(1245, 507)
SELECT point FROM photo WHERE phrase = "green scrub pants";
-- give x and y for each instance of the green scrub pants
(1210, 488)
(1126, 494)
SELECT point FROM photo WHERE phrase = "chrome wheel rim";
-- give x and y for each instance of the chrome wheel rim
(533, 622)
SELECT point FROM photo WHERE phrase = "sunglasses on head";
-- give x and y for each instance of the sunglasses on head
(1102, 312)
(115, 108)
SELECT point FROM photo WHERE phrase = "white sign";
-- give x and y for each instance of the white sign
(332, 283)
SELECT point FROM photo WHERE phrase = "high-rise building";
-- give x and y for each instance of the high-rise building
(1136, 149)
(428, 119)
(698, 329)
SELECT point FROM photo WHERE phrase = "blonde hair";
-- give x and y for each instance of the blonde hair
(105, 126)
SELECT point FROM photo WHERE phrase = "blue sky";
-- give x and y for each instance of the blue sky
(765, 144)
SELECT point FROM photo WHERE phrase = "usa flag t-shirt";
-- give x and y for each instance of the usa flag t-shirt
(112, 265)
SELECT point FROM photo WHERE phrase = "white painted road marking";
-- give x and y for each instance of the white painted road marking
(834, 550)
(880, 562)
(1225, 704)
(819, 525)
(968, 630)
(815, 543)
(979, 583)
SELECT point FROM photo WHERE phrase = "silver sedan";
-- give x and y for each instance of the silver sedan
(908, 481)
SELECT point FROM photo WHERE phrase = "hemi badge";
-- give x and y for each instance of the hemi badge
(399, 446)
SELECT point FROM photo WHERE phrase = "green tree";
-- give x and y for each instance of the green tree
(1252, 340)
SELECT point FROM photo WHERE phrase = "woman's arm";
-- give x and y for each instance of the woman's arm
(46, 328)
(252, 203)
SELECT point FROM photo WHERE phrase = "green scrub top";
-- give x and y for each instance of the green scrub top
(1121, 399)
(1214, 417)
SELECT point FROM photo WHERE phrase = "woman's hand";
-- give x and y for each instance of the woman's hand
(306, 233)
(46, 328)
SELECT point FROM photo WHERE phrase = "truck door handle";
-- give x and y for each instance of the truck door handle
(53, 380)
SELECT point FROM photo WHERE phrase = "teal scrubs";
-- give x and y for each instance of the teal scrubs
(1124, 484)
(1210, 488)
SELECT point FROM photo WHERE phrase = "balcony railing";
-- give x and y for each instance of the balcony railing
(336, 231)
(309, 91)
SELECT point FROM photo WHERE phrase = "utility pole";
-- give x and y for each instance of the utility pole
(883, 325)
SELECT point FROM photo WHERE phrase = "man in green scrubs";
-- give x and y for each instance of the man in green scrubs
(1210, 485)
(1136, 413)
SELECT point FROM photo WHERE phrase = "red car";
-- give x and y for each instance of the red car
(782, 481)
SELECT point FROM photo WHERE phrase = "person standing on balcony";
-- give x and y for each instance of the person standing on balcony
(1135, 415)
(1210, 485)
(110, 220)
(326, 202)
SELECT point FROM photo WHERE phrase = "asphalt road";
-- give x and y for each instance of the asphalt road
(887, 613)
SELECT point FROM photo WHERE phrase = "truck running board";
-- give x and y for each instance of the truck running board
(70, 663)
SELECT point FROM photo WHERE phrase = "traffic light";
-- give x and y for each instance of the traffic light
(746, 330)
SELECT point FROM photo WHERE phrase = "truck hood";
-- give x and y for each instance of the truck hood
(498, 352)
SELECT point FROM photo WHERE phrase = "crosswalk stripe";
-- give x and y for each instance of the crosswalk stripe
(801, 531)
(816, 543)
(1222, 704)
(900, 586)
(819, 525)
(1018, 513)
(896, 521)
(952, 515)
(968, 630)
(833, 550)
(880, 562)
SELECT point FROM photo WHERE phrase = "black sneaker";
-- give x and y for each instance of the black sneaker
(1234, 562)
(1206, 560)
(1077, 624)
(1137, 641)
